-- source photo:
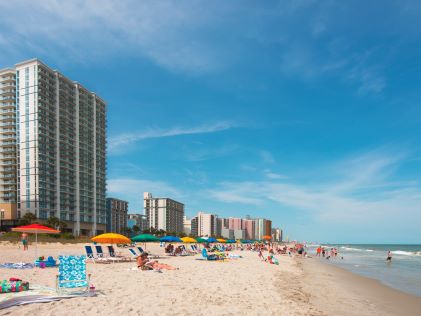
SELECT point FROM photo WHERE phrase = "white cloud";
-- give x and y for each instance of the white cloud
(357, 192)
(119, 141)
(167, 32)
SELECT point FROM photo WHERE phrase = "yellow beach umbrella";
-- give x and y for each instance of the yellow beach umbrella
(111, 238)
(221, 240)
(188, 239)
(238, 241)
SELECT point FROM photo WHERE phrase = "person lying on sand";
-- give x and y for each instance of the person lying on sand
(143, 263)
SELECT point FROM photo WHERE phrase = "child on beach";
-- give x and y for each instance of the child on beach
(24, 240)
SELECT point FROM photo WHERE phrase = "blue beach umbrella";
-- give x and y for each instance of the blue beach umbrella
(211, 239)
(170, 239)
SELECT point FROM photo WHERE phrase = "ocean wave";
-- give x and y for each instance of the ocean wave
(369, 250)
(351, 249)
(406, 253)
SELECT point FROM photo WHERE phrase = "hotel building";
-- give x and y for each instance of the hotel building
(117, 216)
(60, 132)
(163, 213)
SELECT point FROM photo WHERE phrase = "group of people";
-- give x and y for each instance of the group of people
(325, 253)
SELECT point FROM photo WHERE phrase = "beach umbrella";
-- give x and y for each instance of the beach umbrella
(211, 239)
(145, 238)
(188, 240)
(267, 237)
(200, 239)
(221, 240)
(35, 229)
(170, 239)
(230, 241)
(111, 238)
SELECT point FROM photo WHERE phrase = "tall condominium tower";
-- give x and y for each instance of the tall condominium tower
(8, 162)
(163, 213)
(61, 146)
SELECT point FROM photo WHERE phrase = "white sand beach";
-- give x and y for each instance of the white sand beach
(246, 286)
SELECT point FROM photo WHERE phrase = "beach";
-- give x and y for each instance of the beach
(246, 286)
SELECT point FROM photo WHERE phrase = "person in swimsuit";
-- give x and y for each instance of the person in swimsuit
(24, 240)
(389, 256)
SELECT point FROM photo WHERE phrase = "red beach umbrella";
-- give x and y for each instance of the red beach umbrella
(35, 229)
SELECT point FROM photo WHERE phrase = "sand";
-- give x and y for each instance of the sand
(245, 286)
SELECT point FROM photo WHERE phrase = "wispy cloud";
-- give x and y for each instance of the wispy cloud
(359, 191)
(119, 141)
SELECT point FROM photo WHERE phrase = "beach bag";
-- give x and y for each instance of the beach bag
(13, 286)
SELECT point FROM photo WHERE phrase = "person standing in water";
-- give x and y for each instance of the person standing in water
(389, 256)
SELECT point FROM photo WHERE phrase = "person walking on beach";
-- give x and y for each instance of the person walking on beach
(389, 256)
(24, 240)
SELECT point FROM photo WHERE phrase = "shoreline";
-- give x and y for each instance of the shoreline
(357, 294)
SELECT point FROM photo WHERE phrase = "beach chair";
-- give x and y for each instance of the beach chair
(114, 257)
(99, 251)
(133, 253)
(151, 255)
(72, 273)
(90, 253)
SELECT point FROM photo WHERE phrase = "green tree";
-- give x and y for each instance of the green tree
(136, 229)
(28, 218)
(53, 222)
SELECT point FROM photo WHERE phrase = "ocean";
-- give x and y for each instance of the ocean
(403, 273)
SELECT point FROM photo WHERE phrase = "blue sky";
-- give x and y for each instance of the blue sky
(305, 112)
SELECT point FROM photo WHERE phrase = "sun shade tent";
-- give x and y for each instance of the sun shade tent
(111, 238)
(188, 240)
(170, 239)
(145, 238)
(35, 229)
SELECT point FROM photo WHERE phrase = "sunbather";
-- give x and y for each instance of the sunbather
(144, 263)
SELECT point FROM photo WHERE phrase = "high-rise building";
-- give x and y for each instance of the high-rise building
(276, 234)
(163, 213)
(8, 149)
(235, 223)
(117, 215)
(60, 135)
(248, 226)
(263, 227)
(207, 224)
(139, 220)
(194, 227)
(186, 225)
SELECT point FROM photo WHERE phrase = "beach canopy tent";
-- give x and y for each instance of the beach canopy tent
(111, 238)
(35, 229)
(188, 240)
(170, 239)
(221, 240)
(145, 238)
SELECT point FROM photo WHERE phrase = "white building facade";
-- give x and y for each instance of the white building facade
(61, 151)
(163, 213)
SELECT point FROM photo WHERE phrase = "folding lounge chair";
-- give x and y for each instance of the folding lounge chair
(150, 254)
(133, 253)
(99, 252)
(72, 273)
(114, 257)
(90, 255)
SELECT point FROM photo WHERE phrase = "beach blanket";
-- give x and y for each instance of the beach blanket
(36, 294)
(13, 286)
(18, 265)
